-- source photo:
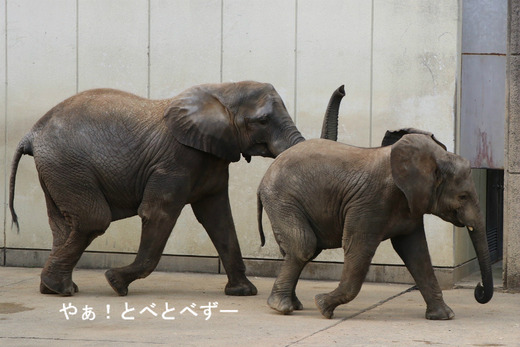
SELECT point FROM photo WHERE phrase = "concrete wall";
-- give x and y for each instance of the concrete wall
(399, 60)
(2, 126)
(483, 65)
(512, 149)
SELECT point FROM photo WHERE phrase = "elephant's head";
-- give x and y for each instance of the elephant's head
(392, 136)
(230, 119)
(439, 182)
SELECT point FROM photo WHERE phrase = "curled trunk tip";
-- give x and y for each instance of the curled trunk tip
(482, 295)
(484, 291)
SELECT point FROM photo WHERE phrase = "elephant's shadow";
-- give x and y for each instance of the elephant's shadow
(188, 285)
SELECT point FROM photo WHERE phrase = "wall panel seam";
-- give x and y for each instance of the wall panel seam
(5, 131)
(221, 42)
(77, 46)
(371, 87)
(295, 101)
(149, 51)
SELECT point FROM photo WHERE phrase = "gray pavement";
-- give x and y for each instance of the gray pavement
(381, 315)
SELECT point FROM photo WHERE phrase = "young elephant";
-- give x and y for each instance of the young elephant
(104, 155)
(321, 194)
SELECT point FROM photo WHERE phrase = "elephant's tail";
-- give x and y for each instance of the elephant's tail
(24, 147)
(259, 217)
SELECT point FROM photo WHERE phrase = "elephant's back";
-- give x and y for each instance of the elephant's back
(320, 165)
(305, 163)
(98, 117)
(101, 107)
(325, 155)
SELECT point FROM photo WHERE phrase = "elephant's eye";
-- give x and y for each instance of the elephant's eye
(264, 119)
(463, 197)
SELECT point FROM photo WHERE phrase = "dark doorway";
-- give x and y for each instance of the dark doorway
(494, 213)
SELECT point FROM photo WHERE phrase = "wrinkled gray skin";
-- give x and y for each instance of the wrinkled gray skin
(105, 155)
(321, 194)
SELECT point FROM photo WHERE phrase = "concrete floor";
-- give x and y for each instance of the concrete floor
(381, 315)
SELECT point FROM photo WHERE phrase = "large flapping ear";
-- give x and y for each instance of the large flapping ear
(198, 119)
(415, 171)
(392, 136)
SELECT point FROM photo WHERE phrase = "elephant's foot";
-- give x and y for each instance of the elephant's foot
(298, 306)
(45, 290)
(51, 285)
(439, 312)
(117, 282)
(282, 303)
(244, 288)
(326, 309)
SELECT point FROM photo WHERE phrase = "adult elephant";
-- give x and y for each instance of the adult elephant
(321, 194)
(104, 155)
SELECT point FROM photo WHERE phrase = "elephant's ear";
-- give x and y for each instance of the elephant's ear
(413, 160)
(392, 136)
(198, 119)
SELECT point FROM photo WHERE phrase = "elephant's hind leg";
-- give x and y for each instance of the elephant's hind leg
(283, 295)
(56, 276)
(72, 233)
(296, 237)
(60, 232)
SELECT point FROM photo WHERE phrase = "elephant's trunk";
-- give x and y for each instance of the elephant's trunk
(288, 137)
(483, 292)
(329, 130)
(295, 137)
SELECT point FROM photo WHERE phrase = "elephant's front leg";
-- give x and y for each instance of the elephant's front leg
(159, 213)
(413, 250)
(214, 213)
(358, 255)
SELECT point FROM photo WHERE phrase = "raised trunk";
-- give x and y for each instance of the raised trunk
(329, 130)
(483, 292)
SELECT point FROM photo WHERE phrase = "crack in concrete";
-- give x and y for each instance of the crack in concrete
(355, 315)
(15, 283)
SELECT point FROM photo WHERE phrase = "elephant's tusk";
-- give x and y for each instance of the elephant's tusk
(470, 228)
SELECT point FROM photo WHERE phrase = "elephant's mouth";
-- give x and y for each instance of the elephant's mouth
(258, 149)
(451, 217)
(459, 224)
